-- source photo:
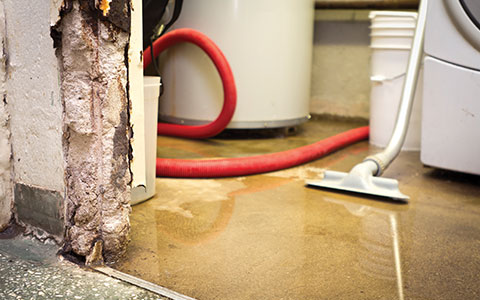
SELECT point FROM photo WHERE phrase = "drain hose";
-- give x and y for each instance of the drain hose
(228, 167)
(229, 90)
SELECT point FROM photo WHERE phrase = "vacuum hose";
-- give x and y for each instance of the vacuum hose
(229, 90)
(231, 166)
(228, 167)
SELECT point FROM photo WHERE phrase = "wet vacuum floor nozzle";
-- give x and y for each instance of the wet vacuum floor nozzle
(360, 183)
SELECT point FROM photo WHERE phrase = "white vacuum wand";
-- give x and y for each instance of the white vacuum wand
(362, 178)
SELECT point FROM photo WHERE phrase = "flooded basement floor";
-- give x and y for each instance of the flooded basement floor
(270, 237)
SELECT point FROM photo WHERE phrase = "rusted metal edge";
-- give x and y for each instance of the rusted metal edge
(366, 4)
(154, 288)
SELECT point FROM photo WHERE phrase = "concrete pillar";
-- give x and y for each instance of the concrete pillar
(68, 111)
(97, 144)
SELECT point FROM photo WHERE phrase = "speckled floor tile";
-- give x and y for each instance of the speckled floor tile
(30, 270)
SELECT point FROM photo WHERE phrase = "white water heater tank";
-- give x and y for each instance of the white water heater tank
(268, 44)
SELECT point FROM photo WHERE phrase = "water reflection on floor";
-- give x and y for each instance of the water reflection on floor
(269, 237)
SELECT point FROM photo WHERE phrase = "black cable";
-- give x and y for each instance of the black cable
(160, 29)
(153, 59)
(176, 13)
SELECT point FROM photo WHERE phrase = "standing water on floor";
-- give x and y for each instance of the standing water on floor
(270, 237)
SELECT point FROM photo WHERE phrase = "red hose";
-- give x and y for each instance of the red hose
(231, 166)
(228, 167)
(229, 90)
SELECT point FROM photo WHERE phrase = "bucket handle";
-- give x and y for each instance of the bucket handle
(382, 79)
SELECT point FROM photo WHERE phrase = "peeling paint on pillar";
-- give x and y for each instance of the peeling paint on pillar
(97, 144)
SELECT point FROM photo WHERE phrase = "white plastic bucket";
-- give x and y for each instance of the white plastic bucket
(392, 21)
(392, 29)
(151, 87)
(389, 63)
(391, 41)
(390, 54)
(393, 17)
(384, 103)
(268, 44)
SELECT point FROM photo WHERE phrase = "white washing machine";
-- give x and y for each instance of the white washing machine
(451, 96)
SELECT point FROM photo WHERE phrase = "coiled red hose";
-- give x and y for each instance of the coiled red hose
(241, 166)
(231, 166)
(229, 90)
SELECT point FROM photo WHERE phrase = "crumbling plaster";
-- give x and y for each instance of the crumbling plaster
(67, 96)
(94, 84)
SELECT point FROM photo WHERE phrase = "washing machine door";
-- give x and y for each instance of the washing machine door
(465, 14)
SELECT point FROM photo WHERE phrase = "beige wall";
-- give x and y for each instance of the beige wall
(341, 63)
(6, 187)
(33, 97)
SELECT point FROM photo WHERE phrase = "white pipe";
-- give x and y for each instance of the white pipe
(384, 158)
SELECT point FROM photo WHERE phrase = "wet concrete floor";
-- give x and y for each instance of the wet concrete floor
(270, 237)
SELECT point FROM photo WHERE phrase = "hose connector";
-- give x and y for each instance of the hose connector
(381, 166)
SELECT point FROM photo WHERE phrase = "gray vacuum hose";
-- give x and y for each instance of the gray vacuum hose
(384, 158)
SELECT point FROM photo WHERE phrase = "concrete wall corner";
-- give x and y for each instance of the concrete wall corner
(6, 183)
